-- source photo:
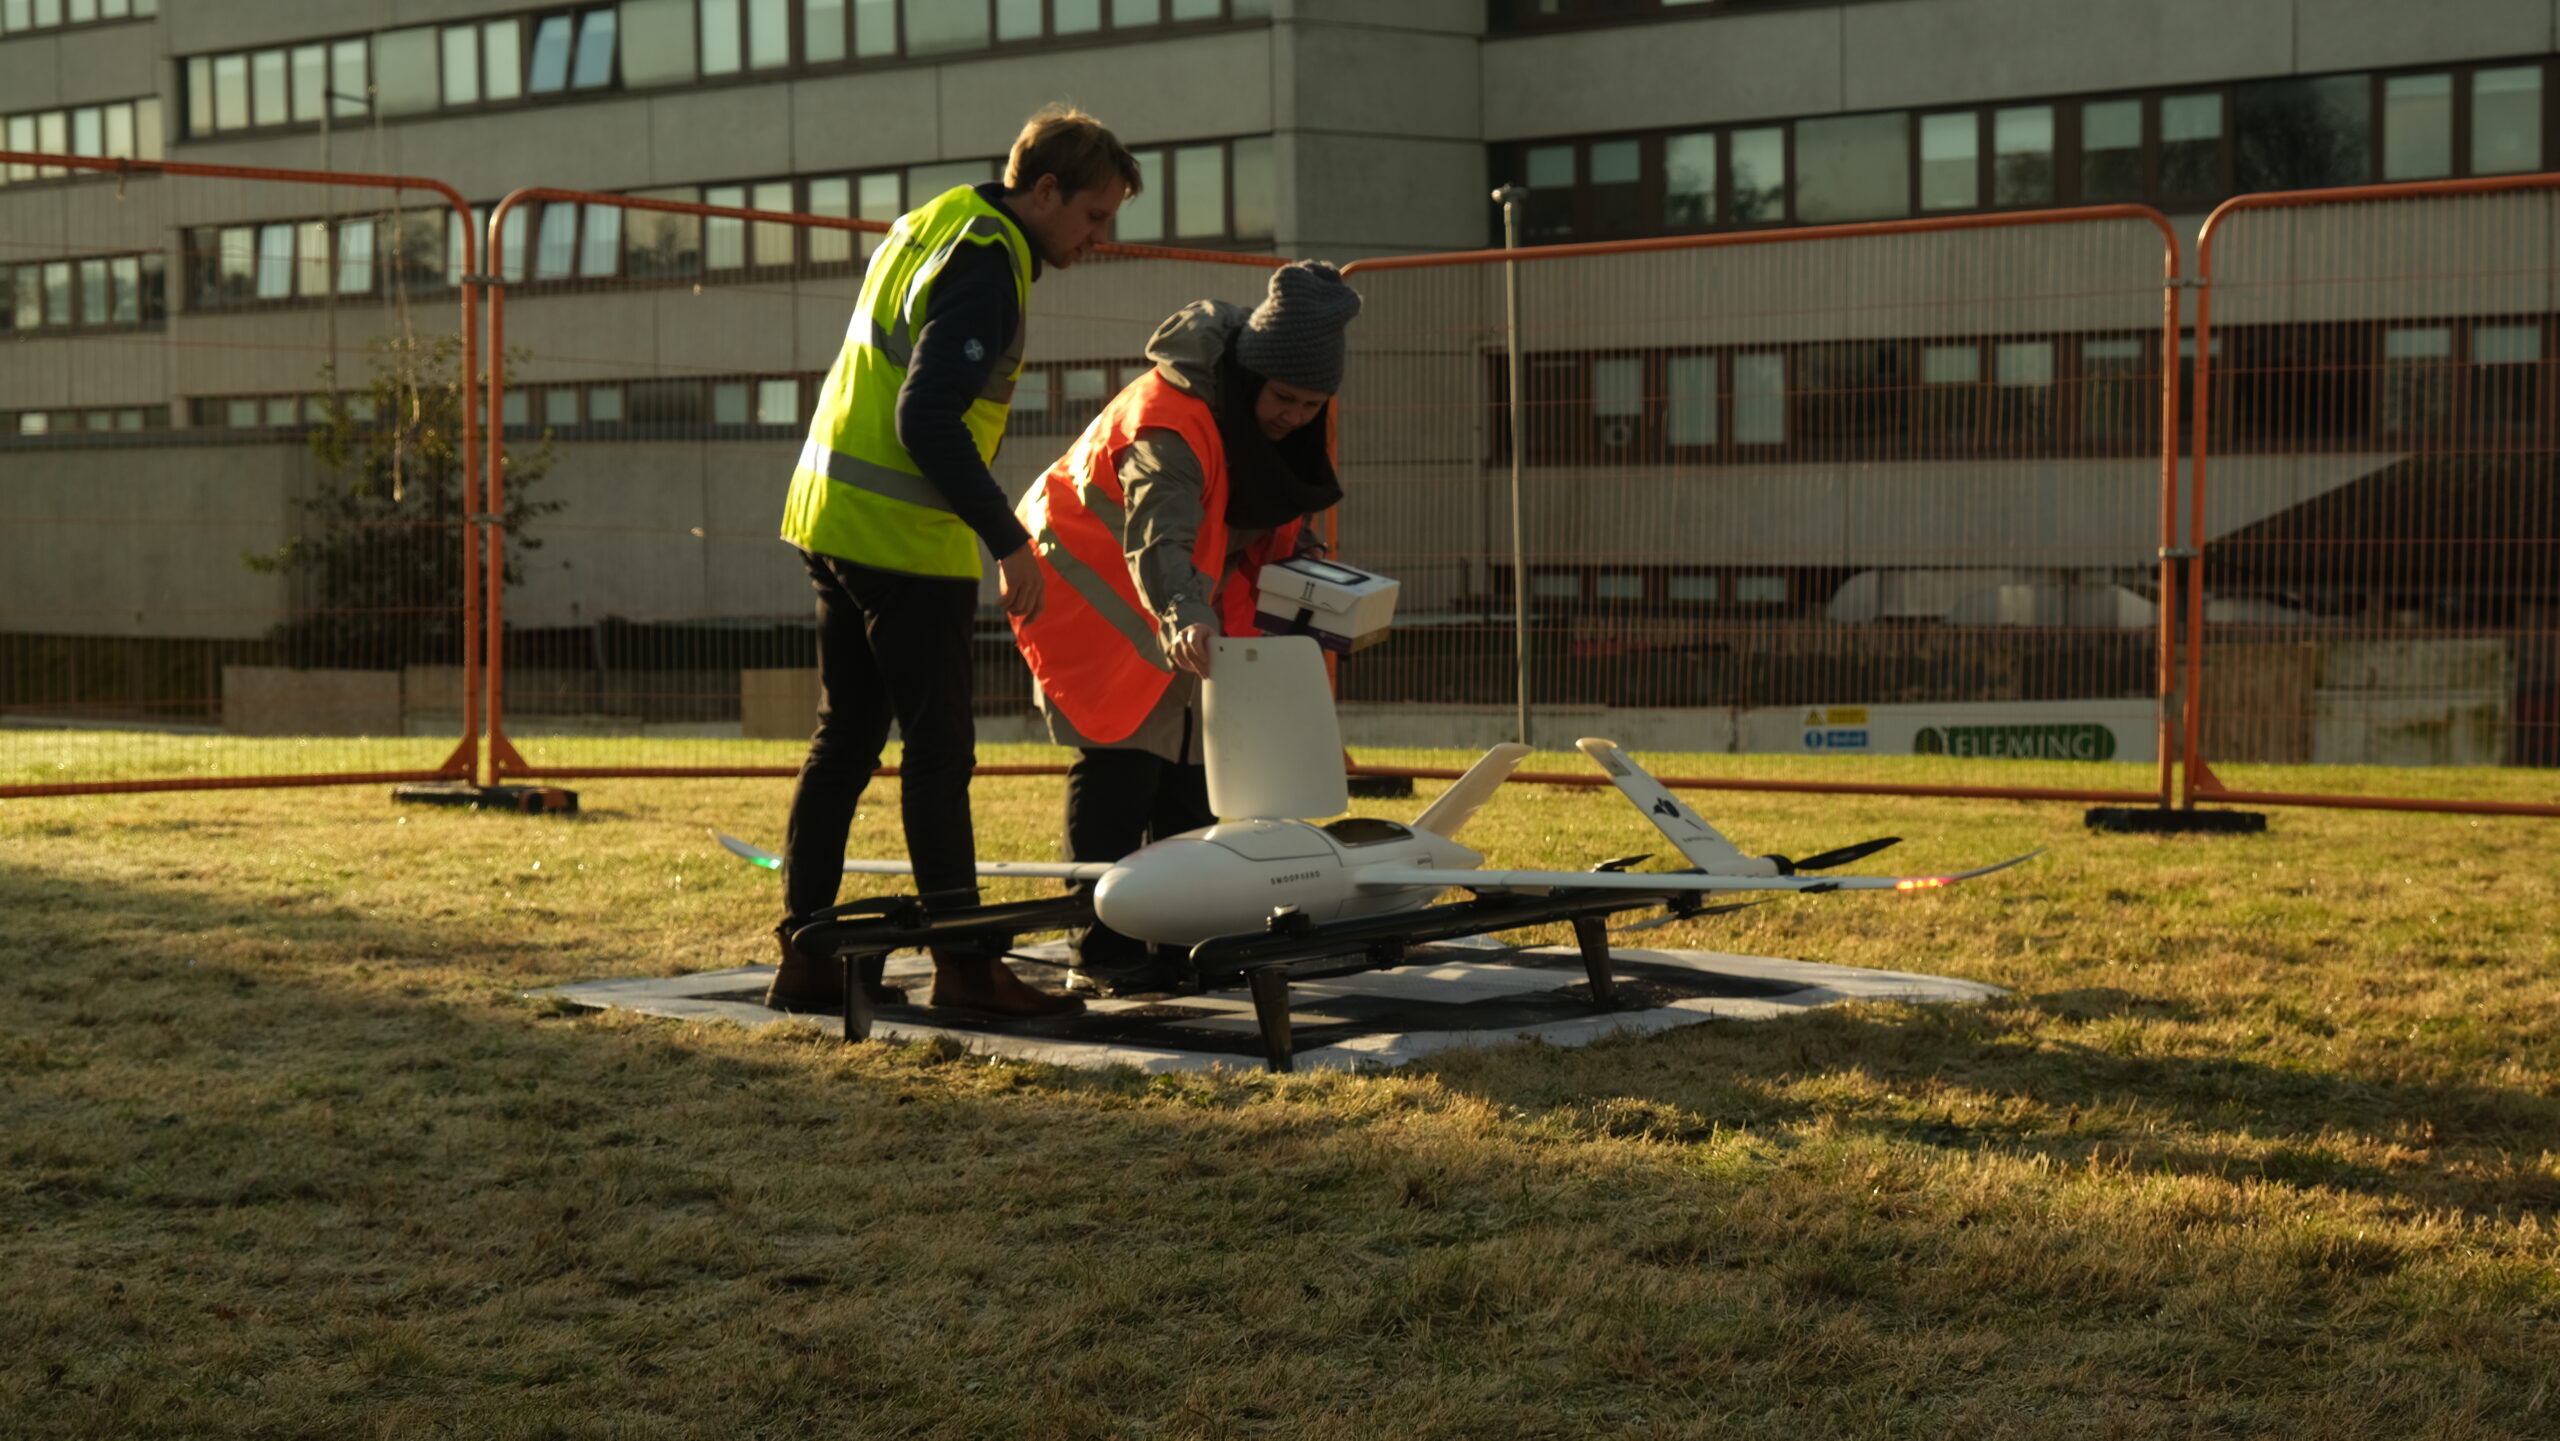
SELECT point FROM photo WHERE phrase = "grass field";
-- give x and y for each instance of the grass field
(2264, 1142)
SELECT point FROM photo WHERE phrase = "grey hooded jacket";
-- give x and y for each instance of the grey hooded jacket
(1160, 482)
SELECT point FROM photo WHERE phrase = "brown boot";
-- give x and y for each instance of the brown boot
(966, 982)
(804, 983)
(807, 983)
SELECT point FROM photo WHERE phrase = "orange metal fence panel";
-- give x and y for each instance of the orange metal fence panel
(1855, 489)
(2377, 445)
(657, 625)
(238, 475)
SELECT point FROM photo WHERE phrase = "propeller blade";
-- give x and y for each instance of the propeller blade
(1667, 917)
(1664, 919)
(1622, 862)
(1841, 857)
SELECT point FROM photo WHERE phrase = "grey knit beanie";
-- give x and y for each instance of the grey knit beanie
(1295, 335)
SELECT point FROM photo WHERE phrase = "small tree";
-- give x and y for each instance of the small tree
(381, 551)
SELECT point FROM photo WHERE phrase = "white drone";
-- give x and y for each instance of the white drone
(1255, 895)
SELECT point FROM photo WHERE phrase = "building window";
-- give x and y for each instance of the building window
(2119, 392)
(654, 47)
(1950, 161)
(1690, 179)
(875, 27)
(1553, 177)
(2022, 393)
(2184, 150)
(59, 425)
(1689, 401)
(2417, 381)
(1760, 399)
(303, 260)
(656, 243)
(1199, 177)
(937, 27)
(1849, 395)
(1759, 170)
(18, 17)
(861, 197)
(2302, 134)
(2506, 370)
(1951, 393)
(405, 74)
(1617, 406)
(424, 69)
(1217, 190)
(1852, 167)
(106, 292)
(2417, 127)
(122, 130)
(2191, 146)
(2111, 151)
(2506, 120)
(1616, 193)
(2022, 155)
(2286, 389)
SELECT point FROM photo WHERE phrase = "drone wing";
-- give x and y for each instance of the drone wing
(1658, 882)
(1704, 845)
(1025, 870)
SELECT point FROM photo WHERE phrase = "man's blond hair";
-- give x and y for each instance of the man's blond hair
(1066, 142)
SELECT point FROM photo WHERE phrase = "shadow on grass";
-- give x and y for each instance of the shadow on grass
(2070, 1076)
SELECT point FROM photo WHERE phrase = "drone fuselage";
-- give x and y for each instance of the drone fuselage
(1229, 878)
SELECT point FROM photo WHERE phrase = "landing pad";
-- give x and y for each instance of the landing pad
(1448, 995)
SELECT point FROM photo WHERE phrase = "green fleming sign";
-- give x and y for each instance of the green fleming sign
(2018, 742)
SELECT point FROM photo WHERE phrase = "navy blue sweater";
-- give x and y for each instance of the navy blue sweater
(968, 327)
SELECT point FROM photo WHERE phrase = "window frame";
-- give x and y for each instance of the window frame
(1508, 161)
(151, 312)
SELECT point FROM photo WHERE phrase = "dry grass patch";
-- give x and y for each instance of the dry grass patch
(2266, 1141)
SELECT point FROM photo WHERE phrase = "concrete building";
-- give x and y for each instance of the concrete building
(1729, 445)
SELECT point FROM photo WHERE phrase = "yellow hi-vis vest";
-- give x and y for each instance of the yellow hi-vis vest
(856, 493)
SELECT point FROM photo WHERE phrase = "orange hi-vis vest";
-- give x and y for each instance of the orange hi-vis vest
(1095, 649)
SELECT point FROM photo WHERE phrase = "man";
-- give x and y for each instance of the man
(1152, 534)
(889, 505)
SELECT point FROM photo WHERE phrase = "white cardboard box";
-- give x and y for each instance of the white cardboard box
(1344, 607)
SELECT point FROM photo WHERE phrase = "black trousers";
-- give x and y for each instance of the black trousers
(890, 647)
(1117, 801)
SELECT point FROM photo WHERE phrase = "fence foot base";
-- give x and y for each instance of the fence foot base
(2162, 820)
(525, 800)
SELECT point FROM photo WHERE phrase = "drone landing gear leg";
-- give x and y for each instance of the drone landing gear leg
(861, 974)
(1270, 987)
(1591, 933)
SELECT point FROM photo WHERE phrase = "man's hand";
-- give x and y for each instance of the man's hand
(1018, 580)
(1191, 649)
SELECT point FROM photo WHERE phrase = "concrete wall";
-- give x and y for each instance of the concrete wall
(276, 701)
(145, 540)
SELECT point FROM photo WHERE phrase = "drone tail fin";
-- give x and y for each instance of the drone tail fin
(1459, 802)
(1705, 847)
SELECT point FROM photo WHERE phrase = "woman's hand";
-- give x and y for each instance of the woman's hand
(1191, 649)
